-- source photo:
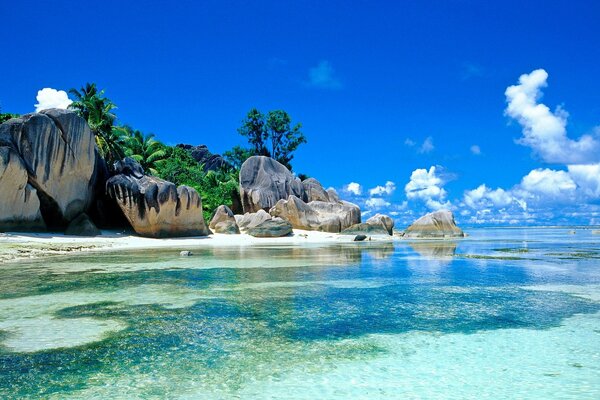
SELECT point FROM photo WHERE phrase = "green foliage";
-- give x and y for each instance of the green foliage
(97, 110)
(6, 116)
(144, 149)
(272, 135)
(236, 156)
(215, 187)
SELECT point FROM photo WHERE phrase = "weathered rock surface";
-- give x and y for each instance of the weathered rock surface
(366, 228)
(264, 181)
(378, 224)
(250, 220)
(200, 153)
(82, 226)
(224, 221)
(19, 204)
(274, 227)
(313, 191)
(333, 195)
(57, 149)
(154, 207)
(317, 215)
(439, 224)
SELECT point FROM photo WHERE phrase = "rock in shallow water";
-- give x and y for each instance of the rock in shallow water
(155, 207)
(439, 224)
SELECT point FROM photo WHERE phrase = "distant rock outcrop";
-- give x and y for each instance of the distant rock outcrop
(438, 224)
(154, 207)
(224, 221)
(200, 153)
(48, 162)
(264, 181)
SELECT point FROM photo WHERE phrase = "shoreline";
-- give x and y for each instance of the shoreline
(16, 246)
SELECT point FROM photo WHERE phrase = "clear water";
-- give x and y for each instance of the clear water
(505, 313)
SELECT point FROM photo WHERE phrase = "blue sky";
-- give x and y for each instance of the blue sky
(385, 91)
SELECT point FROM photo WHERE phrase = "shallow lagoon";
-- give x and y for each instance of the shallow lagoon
(504, 313)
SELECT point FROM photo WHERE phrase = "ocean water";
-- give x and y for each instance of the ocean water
(504, 313)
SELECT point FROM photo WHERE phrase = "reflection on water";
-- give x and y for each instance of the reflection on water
(235, 321)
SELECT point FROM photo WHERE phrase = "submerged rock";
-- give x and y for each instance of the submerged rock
(155, 207)
(264, 181)
(56, 148)
(274, 227)
(82, 226)
(185, 253)
(360, 238)
(439, 224)
(224, 221)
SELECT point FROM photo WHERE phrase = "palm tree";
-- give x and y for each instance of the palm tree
(97, 110)
(145, 149)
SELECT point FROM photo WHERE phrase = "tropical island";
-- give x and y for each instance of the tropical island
(76, 171)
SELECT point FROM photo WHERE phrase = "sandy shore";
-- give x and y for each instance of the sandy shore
(16, 246)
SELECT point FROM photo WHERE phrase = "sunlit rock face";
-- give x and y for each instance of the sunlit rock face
(224, 221)
(439, 224)
(317, 215)
(264, 181)
(56, 148)
(155, 207)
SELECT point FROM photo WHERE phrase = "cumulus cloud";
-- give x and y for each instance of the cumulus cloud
(427, 146)
(388, 189)
(51, 98)
(323, 76)
(475, 149)
(377, 202)
(543, 130)
(547, 184)
(587, 178)
(427, 186)
(353, 188)
(484, 197)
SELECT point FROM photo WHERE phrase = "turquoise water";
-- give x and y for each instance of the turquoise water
(504, 313)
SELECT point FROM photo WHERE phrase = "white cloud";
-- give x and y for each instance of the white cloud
(587, 177)
(353, 188)
(427, 146)
(323, 76)
(543, 130)
(51, 98)
(485, 197)
(388, 189)
(475, 149)
(547, 184)
(409, 142)
(377, 202)
(427, 186)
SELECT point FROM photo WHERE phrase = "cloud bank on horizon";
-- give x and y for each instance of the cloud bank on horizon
(543, 196)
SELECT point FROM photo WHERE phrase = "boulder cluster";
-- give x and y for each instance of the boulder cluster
(52, 178)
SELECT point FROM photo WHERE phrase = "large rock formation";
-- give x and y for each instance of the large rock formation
(273, 227)
(438, 224)
(313, 191)
(154, 207)
(317, 215)
(264, 181)
(200, 153)
(224, 221)
(378, 224)
(56, 150)
(250, 220)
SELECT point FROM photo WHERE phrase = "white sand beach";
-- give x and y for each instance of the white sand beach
(19, 245)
